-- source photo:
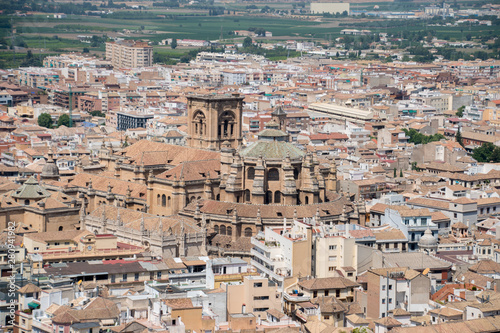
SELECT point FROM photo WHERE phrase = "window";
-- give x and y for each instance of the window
(164, 200)
(273, 175)
(315, 294)
(158, 275)
(331, 269)
(136, 277)
(326, 317)
(260, 298)
(424, 221)
(455, 215)
(250, 173)
(124, 277)
(332, 247)
(327, 292)
(248, 232)
(337, 293)
(66, 243)
(113, 279)
(390, 300)
(383, 287)
(383, 300)
(36, 248)
(350, 274)
(57, 244)
(390, 287)
(332, 258)
(257, 284)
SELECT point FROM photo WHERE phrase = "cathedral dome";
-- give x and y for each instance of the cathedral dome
(272, 143)
(50, 169)
(31, 190)
(427, 241)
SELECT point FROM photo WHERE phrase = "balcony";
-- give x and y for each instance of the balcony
(279, 277)
(397, 250)
(296, 298)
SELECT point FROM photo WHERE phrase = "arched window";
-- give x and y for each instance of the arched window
(247, 195)
(27, 202)
(164, 200)
(248, 232)
(217, 197)
(60, 228)
(229, 231)
(277, 197)
(273, 175)
(158, 200)
(192, 199)
(169, 201)
(226, 124)
(222, 229)
(199, 122)
(269, 197)
(250, 173)
(216, 229)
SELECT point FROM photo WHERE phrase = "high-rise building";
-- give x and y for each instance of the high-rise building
(129, 54)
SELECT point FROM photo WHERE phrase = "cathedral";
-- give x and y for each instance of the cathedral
(215, 185)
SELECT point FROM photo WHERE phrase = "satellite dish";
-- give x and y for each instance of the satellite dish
(426, 271)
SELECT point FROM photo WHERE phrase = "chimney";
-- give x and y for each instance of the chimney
(243, 308)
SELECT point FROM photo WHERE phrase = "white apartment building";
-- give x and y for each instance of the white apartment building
(129, 54)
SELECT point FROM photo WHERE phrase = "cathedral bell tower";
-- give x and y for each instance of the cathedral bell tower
(214, 119)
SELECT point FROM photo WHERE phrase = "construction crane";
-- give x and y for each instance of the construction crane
(70, 108)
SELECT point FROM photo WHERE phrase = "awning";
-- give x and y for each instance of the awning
(33, 305)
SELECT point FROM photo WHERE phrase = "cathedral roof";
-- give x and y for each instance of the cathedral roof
(31, 190)
(150, 153)
(193, 170)
(132, 219)
(272, 149)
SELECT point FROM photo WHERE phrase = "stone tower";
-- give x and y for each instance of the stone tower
(214, 119)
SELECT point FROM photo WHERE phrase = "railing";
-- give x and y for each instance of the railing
(296, 298)
(44, 324)
(267, 271)
(78, 254)
(391, 250)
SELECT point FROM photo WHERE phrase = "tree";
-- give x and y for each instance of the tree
(401, 173)
(458, 138)
(460, 111)
(45, 120)
(247, 42)
(97, 113)
(394, 172)
(173, 45)
(63, 120)
(488, 152)
(86, 50)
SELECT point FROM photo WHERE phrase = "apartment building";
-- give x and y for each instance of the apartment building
(256, 294)
(129, 54)
(387, 289)
(283, 253)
